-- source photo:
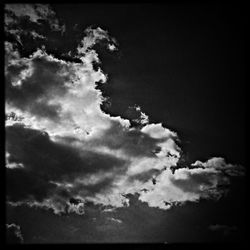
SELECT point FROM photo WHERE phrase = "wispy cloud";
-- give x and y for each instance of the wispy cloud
(15, 230)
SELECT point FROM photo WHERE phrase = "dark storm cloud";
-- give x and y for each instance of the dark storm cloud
(46, 163)
(52, 160)
(22, 185)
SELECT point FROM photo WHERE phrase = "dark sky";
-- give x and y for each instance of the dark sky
(184, 65)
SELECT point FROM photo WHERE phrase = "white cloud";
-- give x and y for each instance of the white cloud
(14, 165)
(143, 119)
(92, 36)
(11, 165)
(57, 205)
(112, 47)
(158, 131)
(185, 185)
(220, 164)
(80, 92)
(115, 220)
(17, 81)
(11, 54)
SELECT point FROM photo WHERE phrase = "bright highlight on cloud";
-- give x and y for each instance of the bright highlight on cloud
(67, 151)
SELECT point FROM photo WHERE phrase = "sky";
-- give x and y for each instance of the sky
(124, 123)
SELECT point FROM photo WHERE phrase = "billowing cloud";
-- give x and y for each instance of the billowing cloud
(64, 151)
(184, 185)
(14, 234)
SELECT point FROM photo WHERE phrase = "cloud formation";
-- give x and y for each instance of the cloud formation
(218, 163)
(14, 234)
(92, 37)
(63, 151)
(35, 14)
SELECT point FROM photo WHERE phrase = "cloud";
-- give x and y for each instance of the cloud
(137, 116)
(92, 37)
(115, 220)
(220, 164)
(207, 181)
(12, 165)
(14, 234)
(34, 35)
(45, 175)
(64, 151)
(112, 47)
(34, 14)
(185, 185)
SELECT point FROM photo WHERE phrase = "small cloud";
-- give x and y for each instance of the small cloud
(219, 164)
(143, 119)
(115, 220)
(93, 36)
(108, 210)
(12, 165)
(112, 47)
(14, 234)
(35, 35)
